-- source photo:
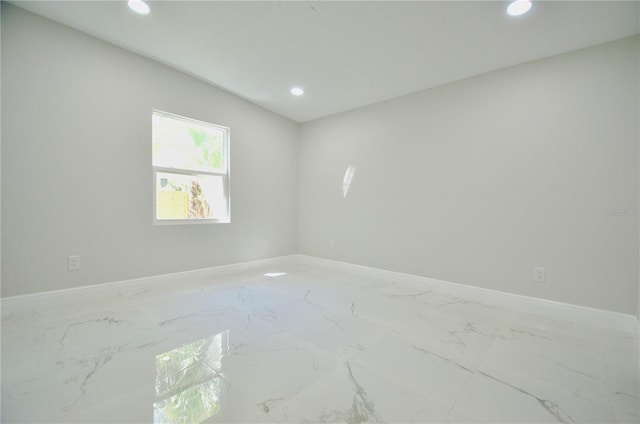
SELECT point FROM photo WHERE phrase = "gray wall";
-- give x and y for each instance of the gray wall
(478, 181)
(474, 182)
(0, 150)
(76, 164)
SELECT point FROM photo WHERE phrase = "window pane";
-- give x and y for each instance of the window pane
(184, 144)
(181, 196)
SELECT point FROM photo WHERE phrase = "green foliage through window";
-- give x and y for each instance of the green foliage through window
(190, 160)
(184, 144)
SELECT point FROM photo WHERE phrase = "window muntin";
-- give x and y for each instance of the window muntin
(191, 170)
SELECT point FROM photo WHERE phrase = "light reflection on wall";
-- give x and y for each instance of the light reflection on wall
(348, 178)
(188, 386)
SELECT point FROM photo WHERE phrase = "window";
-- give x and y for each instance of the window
(190, 170)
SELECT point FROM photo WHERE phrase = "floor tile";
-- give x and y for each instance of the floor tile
(558, 365)
(522, 399)
(353, 393)
(339, 332)
(273, 369)
(308, 345)
(416, 368)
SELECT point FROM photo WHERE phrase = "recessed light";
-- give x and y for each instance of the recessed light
(518, 7)
(139, 6)
(297, 91)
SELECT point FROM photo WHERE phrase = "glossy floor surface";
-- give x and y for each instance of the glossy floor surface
(311, 345)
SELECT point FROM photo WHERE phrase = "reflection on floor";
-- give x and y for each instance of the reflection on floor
(188, 386)
(310, 345)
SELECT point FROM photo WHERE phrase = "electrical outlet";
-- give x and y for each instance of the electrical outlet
(539, 274)
(74, 263)
(265, 244)
(332, 244)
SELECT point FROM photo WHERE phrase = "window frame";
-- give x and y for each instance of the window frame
(225, 173)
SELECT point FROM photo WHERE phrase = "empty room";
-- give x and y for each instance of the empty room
(320, 211)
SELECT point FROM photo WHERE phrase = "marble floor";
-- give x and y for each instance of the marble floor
(310, 345)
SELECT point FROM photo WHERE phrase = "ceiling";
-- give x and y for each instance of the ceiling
(344, 54)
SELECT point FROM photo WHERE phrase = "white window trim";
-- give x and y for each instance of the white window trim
(226, 176)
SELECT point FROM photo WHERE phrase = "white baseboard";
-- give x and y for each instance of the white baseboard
(81, 299)
(582, 314)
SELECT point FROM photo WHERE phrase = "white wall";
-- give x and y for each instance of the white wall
(474, 182)
(76, 164)
(0, 152)
(478, 181)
